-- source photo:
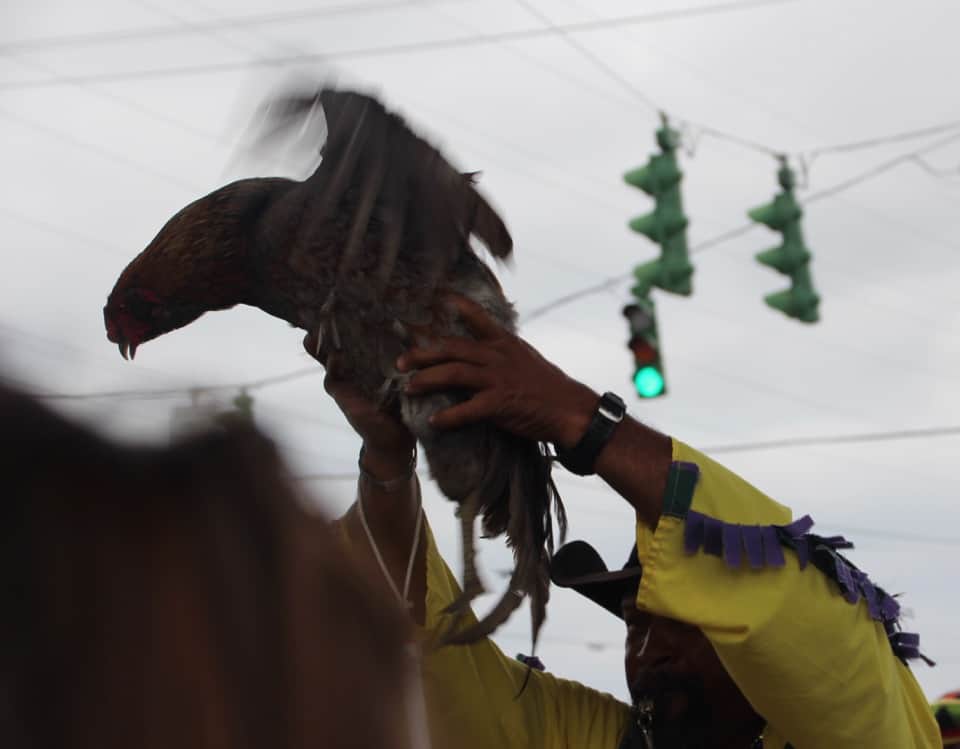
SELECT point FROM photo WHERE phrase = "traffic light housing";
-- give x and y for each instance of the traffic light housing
(648, 375)
(667, 224)
(791, 257)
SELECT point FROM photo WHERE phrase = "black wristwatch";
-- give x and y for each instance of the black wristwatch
(580, 459)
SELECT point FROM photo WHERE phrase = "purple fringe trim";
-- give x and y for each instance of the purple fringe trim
(532, 661)
(763, 545)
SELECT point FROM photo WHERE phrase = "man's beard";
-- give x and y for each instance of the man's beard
(674, 710)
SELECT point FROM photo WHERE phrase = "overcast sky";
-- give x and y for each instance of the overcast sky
(94, 161)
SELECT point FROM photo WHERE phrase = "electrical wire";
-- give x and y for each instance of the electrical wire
(850, 531)
(99, 150)
(840, 439)
(565, 31)
(753, 145)
(178, 391)
(573, 296)
(98, 38)
(884, 140)
(588, 54)
(953, 171)
(879, 169)
(73, 236)
(401, 48)
(639, 95)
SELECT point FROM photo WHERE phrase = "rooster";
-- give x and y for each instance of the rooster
(359, 253)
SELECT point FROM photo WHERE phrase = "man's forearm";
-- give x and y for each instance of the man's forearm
(391, 506)
(388, 497)
(635, 461)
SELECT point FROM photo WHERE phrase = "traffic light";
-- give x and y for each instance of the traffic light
(243, 404)
(791, 257)
(648, 377)
(241, 413)
(666, 224)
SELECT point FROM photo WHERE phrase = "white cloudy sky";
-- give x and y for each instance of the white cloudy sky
(95, 160)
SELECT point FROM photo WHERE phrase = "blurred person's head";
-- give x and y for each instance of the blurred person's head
(677, 683)
(180, 597)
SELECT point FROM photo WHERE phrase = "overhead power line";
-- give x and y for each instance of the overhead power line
(100, 38)
(850, 531)
(881, 168)
(859, 145)
(254, 21)
(630, 88)
(565, 31)
(94, 148)
(739, 140)
(176, 391)
(841, 439)
(401, 48)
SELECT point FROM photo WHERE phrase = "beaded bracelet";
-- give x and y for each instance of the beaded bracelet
(394, 484)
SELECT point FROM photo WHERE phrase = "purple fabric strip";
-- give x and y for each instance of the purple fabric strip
(773, 552)
(845, 579)
(712, 536)
(889, 608)
(753, 541)
(906, 639)
(799, 526)
(693, 532)
(803, 552)
(837, 542)
(870, 595)
(764, 547)
(732, 546)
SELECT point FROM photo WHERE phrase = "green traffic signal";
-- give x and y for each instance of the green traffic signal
(791, 257)
(666, 224)
(649, 382)
(644, 343)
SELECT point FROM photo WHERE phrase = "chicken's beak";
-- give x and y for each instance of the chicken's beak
(127, 350)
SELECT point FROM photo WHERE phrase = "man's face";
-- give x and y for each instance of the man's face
(673, 665)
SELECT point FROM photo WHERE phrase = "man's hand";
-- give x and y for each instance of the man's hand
(387, 442)
(514, 386)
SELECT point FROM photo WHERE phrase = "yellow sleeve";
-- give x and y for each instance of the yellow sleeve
(818, 668)
(472, 691)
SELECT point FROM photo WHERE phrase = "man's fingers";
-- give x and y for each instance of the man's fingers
(444, 350)
(446, 376)
(479, 408)
(477, 319)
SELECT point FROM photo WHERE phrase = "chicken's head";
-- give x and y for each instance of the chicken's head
(134, 315)
(195, 264)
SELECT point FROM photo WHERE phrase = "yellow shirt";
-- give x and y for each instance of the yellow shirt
(471, 691)
(820, 670)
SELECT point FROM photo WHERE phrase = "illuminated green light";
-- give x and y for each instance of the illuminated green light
(648, 381)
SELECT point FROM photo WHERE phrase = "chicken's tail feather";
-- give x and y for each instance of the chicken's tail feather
(523, 492)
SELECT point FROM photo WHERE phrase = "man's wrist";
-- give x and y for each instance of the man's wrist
(575, 418)
(386, 464)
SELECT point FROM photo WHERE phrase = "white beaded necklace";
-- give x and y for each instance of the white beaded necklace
(416, 706)
(403, 596)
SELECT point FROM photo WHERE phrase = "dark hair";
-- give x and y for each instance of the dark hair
(179, 597)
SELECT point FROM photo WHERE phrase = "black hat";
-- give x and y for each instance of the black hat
(577, 565)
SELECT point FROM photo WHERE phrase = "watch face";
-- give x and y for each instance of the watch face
(612, 407)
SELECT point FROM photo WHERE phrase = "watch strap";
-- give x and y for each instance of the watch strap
(580, 459)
